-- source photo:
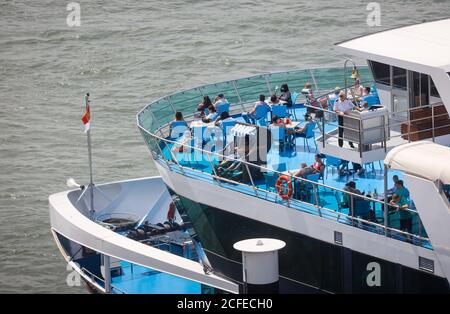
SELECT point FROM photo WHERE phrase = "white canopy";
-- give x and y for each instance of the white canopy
(423, 159)
(425, 44)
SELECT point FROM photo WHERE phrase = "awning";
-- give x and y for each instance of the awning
(423, 159)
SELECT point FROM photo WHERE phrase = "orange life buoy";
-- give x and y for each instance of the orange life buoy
(279, 186)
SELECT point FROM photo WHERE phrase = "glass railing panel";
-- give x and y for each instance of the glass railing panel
(186, 101)
(146, 119)
(295, 80)
(163, 112)
(227, 89)
(250, 88)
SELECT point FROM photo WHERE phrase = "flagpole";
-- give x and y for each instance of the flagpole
(91, 180)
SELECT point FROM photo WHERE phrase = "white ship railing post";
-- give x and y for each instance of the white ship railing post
(107, 270)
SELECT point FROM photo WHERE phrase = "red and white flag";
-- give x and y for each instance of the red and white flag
(86, 118)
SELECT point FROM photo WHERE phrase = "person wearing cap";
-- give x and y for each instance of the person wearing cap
(343, 106)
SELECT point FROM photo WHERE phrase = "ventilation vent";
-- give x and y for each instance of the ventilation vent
(338, 238)
(426, 264)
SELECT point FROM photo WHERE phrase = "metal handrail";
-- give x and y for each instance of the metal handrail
(241, 103)
(317, 184)
(146, 107)
(95, 278)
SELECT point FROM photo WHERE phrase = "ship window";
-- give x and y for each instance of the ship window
(381, 72)
(399, 78)
(433, 90)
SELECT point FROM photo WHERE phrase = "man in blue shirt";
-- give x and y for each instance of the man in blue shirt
(401, 199)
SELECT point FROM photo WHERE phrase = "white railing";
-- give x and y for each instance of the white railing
(157, 137)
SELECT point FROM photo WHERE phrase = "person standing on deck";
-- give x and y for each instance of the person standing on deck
(343, 106)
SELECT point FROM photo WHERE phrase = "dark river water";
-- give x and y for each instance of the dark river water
(126, 53)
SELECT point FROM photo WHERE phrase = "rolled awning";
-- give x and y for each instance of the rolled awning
(423, 159)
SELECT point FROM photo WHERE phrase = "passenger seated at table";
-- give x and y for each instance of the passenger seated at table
(405, 216)
(224, 117)
(250, 117)
(212, 115)
(357, 90)
(178, 125)
(312, 101)
(302, 130)
(285, 96)
(334, 96)
(350, 187)
(205, 104)
(308, 92)
(317, 167)
(178, 117)
(219, 100)
(274, 101)
(366, 91)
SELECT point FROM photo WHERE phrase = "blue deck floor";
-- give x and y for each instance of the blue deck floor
(136, 279)
(291, 159)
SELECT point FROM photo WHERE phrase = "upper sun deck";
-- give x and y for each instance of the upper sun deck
(324, 199)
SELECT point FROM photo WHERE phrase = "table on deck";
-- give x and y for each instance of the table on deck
(200, 123)
(199, 127)
(292, 125)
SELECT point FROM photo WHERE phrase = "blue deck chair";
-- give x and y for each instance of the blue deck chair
(362, 208)
(279, 136)
(309, 186)
(177, 128)
(261, 115)
(308, 135)
(280, 111)
(222, 108)
(331, 162)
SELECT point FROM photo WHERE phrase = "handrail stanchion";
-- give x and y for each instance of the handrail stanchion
(173, 156)
(162, 154)
(384, 134)
(269, 88)
(323, 131)
(171, 104)
(251, 179)
(212, 167)
(314, 80)
(420, 230)
(352, 209)
(360, 146)
(238, 95)
(200, 89)
(316, 196)
(386, 209)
